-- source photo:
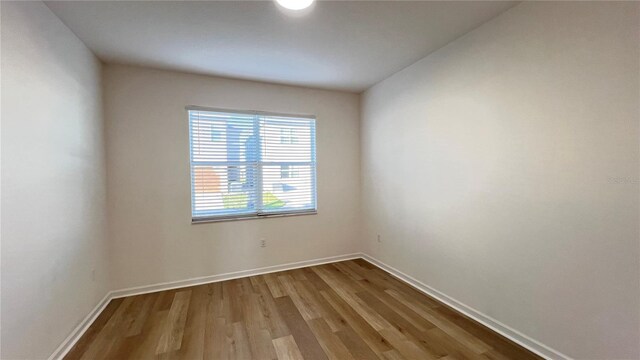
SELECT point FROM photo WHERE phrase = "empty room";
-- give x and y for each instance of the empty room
(314, 179)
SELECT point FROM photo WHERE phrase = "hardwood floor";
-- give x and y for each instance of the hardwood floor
(346, 310)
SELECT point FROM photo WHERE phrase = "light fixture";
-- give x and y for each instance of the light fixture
(295, 4)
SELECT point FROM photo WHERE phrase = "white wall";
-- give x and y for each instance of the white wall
(53, 182)
(503, 170)
(150, 227)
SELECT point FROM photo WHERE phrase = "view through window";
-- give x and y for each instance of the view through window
(250, 164)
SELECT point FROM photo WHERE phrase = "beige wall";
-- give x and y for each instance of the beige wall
(503, 170)
(150, 227)
(53, 182)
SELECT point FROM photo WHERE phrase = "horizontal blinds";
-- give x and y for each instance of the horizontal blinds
(224, 164)
(243, 164)
(287, 163)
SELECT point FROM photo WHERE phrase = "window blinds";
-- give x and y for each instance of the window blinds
(251, 164)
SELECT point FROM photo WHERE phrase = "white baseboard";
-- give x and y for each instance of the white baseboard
(493, 324)
(77, 333)
(228, 276)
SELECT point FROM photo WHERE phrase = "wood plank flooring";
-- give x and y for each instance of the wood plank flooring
(346, 310)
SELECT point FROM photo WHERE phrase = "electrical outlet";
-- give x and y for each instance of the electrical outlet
(263, 243)
(379, 240)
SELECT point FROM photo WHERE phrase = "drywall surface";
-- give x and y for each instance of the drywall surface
(503, 171)
(54, 251)
(151, 234)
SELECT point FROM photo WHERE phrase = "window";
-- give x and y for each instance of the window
(287, 136)
(216, 134)
(288, 171)
(251, 164)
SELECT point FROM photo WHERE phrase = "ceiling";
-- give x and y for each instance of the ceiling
(343, 45)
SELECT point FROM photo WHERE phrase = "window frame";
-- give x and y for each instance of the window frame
(257, 214)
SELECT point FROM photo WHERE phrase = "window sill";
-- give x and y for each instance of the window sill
(251, 217)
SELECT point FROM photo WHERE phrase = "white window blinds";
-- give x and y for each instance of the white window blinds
(251, 164)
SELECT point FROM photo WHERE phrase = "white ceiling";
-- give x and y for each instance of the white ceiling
(346, 45)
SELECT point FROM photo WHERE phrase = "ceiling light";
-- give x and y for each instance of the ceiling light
(295, 4)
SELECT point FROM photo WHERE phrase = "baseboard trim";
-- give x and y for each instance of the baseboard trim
(77, 333)
(228, 276)
(493, 324)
